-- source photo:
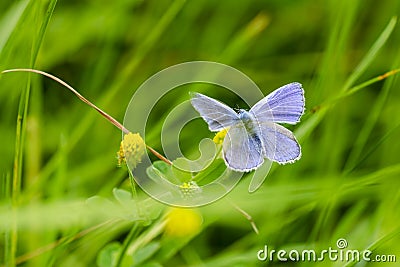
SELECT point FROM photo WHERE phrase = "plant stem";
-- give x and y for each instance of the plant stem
(132, 234)
(355, 89)
(86, 101)
(82, 98)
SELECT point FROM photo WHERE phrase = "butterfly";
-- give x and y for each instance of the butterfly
(255, 135)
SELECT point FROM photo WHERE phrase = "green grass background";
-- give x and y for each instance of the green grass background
(56, 152)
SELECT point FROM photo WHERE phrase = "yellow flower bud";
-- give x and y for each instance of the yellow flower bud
(190, 189)
(219, 137)
(131, 150)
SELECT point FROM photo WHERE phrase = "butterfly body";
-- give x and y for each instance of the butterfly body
(248, 121)
(255, 135)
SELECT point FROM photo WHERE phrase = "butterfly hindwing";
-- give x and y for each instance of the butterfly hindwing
(279, 144)
(241, 151)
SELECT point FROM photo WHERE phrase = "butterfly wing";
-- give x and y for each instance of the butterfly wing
(217, 115)
(284, 105)
(279, 144)
(242, 152)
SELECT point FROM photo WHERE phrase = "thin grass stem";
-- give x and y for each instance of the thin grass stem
(86, 101)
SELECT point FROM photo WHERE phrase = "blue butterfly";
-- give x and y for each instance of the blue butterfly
(255, 135)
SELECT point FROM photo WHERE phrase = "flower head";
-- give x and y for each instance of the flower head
(131, 150)
(182, 222)
(219, 137)
(190, 189)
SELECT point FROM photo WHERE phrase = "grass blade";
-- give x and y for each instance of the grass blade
(20, 137)
(84, 125)
(371, 54)
(10, 22)
(371, 121)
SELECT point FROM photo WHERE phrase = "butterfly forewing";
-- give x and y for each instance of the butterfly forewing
(217, 115)
(284, 105)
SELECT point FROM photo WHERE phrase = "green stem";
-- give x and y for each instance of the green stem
(17, 170)
(20, 137)
(354, 89)
(132, 234)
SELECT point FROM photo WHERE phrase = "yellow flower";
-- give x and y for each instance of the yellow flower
(190, 189)
(131, 150)
(182, 222)
(219, 137)
(120, 156)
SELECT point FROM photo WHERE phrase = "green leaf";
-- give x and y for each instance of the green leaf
(122, 196)
(160, 171)
(108, 255)
(97, 201)
(179, 173)
(9, 22)
(143, 254)
(213, 171)
(162, 166)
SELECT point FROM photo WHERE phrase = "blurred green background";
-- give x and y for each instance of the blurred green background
(57, 152)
